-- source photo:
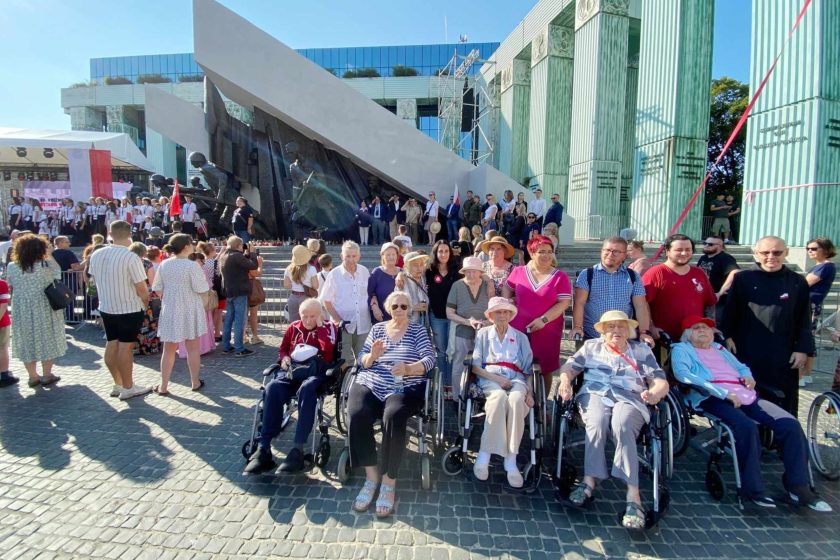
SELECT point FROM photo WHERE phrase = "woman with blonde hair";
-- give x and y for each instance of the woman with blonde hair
(301, 278)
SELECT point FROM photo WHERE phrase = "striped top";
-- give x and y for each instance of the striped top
(116, 270)
(412, 347)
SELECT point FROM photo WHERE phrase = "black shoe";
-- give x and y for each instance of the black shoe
(246, 352)
(228, 351)
(260, 462)
(8, 380)
(293, 461)
(764, 501)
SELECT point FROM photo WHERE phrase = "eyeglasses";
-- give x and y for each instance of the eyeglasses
(812, 248)
(707, 244)
(613, 251)
(403, 306)
(768, 253)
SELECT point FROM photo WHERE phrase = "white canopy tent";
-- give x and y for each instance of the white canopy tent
(124, 153)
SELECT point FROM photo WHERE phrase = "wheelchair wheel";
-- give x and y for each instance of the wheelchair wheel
(341, 402)
(343, 469)
(248, 448)
(532, 475)
(322, 456)
(339, 410)
(715, 484)
(824, 434)
(679, 422)
(452, 461)
(425, 472)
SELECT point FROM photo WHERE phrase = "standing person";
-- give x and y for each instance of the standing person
(15, 214)
(639, 263)
(41, 219)
(464, 214)
(474, 218)
(301, 278)
(101, 210)
(734, 219)
(542, 293)
(508, 209)
(392, 212)
(148, 342)
(71, 270)
(412, 281)
(463, 243)
(180, 283)
(498, 265)
(720, 212)
(243, 220)
(212, 271)
(39, 329)
(377, 212)
(67, 218)
(343, 296)
(465, 306)
(123, 296)
(537, 207)
(675, 289)
(488, 222)
(382, 281)
(608, 286)
(111, 214)
(441, 274)
(188, 214)
(26, 212)
(554, 214)
(403, 237)
(431, 216)
(767, 323)
(237, 262)
(412, 219)
(516, 229)
(6, 377)
(452, 221)
(531, 229)
(718, 266)
(363, 219)
(820, 279)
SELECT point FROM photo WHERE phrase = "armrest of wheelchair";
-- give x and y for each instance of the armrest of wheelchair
(665, 339)
(696, 388)
(272, 370)
(772, 393)
(335, 367)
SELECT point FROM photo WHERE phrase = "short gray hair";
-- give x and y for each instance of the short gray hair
(350, 245)
(234, 242)
(310, 302)
(393, 296)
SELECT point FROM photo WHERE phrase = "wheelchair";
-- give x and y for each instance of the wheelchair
(655, 458)
(457, 458)
(823, 433)
(424, 424)
(319, 454)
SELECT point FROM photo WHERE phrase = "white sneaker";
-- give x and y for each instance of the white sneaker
(115, 392)
(804, 381)
(134, 391)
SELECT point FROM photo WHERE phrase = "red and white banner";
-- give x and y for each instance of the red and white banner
(90, 174)
(51, 193)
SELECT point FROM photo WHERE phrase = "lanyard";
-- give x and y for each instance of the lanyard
(624, 357)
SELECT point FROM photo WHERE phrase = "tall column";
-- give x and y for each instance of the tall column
(630, 97)
(793, 132)
(549, 132)
(513, 124)
(600, 77)
(672, 116)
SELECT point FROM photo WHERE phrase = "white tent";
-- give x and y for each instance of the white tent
(124, 153)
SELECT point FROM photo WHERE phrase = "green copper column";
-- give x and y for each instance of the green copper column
(630, 97)
(513, 124)
(672, 115)
(600, 75)
(793, 132)
(552, 69)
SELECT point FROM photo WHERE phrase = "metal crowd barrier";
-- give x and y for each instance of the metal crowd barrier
(84, 306)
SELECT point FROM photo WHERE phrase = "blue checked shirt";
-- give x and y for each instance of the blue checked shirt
(610, 291)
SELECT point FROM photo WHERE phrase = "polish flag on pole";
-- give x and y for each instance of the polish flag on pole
(90, 174)
(175, 202)
(456, 198)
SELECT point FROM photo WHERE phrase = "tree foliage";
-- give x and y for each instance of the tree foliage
(729, 99)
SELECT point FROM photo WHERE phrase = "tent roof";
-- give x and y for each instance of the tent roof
(124, 153)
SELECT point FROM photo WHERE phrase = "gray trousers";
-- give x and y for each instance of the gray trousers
(625, 422)
(352, 344)
(463, 348)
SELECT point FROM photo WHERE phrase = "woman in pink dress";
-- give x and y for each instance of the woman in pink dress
(542, 292)
(206, 342)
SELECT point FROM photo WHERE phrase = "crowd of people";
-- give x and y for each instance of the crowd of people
(463, 300)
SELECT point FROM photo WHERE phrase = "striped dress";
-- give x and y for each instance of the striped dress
(412, 347)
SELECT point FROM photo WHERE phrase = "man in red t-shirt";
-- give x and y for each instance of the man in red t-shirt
(6, 377)
(676, 289)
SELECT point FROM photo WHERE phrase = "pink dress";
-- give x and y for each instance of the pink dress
(532, 301)
(206, 342)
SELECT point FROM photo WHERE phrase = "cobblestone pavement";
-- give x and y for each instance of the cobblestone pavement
(85, 475)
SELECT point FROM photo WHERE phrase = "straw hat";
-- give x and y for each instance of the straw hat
(485, 245)
(435, 227)
(615, 315)
(500, 304)
(300, 255)
(472, 263)
(415, 255)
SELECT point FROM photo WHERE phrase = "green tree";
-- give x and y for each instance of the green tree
(729, 100)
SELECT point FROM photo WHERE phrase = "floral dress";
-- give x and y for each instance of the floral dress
(182, 316)
(147, 341)
(38, 328)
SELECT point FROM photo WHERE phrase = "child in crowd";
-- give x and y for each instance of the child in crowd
(402, 235)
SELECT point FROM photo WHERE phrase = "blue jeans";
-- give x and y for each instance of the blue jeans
(452, 228)
(440, 329)
(279, 392)
(235, 314)
(243, 234)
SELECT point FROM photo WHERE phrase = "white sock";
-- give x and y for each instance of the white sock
(483, 458)
(510, 462)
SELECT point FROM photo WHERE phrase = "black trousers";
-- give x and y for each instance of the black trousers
(364, 408)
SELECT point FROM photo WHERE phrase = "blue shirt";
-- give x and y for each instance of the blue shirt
(826, 272)
(412, 347)
(610, 291)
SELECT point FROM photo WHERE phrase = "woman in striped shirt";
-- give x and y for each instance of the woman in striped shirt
(391, 386)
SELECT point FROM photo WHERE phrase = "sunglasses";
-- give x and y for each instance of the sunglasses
(532, 217)
(707, 244)
(812, 248)
(402, 306)
(768, 253)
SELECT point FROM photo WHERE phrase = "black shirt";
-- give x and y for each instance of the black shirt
(438, 288)
(240, 218)
(65, 258)
(717, 268)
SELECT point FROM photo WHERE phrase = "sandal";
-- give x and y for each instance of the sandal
(581, 496)
(365, 497)
(34, 382)
(45, 381)
(200, 385)
(157, 391)
(386, 501)
(634, 517)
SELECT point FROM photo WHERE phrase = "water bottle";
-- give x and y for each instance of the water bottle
(399, 384)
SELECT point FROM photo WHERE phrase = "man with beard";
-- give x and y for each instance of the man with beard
(767, 321)
(719, 266)
(676, 290)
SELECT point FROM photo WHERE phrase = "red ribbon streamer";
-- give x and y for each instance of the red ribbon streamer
(735, 131)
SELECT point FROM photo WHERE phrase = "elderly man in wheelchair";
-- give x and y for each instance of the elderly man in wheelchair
(621, 380)
(307, 348)
(723, 388)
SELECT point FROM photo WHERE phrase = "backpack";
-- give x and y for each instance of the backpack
(590, 274)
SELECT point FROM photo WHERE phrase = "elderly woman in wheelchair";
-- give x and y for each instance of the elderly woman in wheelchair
(502, 359)
(621, 380)
(724, 388)
(309, 345)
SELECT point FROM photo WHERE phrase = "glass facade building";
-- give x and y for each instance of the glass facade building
(425, 60)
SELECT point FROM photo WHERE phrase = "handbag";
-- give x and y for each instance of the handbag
(310, 291)
(300, 371)
(257, 295)
(210, 300)
(218, 287)
(58, 294)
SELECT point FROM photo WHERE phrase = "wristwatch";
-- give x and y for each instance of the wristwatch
(544, 319)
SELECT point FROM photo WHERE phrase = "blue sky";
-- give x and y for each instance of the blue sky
(47, 43)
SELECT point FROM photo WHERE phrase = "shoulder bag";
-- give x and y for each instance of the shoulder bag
(257, 295)
(58, 294)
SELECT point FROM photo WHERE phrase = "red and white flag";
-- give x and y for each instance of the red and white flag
(90, 174)
(456, 198)
(175, 202)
